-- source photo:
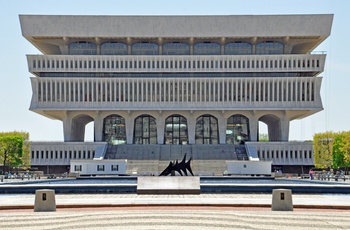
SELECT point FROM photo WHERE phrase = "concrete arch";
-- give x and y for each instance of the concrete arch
(273, 123)
(78, 124)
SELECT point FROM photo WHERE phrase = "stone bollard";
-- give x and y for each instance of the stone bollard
(45, 201)
(282, 200)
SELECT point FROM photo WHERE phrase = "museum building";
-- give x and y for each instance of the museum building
(157, 87)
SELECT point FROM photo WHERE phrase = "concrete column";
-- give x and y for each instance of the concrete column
(160, 46)
(222, 123)
(285, 129)
(191, 122)
(160, 130)
(129, 128)
(67, 128)
(129, 43)
(191, 45)
(253, 128)
(222, 45)
(98, 129)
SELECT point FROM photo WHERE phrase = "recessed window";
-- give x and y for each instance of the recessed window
(100, 168)
(114, 167)
(77, 168)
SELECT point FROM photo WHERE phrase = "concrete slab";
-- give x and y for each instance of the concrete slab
(168, 185)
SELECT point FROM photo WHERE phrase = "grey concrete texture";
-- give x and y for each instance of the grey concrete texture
(205, 211)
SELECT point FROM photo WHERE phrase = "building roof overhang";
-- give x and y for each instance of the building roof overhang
(314, 28)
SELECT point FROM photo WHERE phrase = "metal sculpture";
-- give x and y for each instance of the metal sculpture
(178, 167)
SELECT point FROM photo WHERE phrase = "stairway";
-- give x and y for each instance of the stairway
(207, 160)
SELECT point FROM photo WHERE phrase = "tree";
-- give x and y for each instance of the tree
(263, 137)
(323, 149)
(14, 151)
(341, 150)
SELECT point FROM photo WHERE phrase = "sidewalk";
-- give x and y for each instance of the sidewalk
(323, 201)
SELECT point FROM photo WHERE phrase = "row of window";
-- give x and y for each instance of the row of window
(175, 48)
(176, 130)
(100, 168)
(284, 154)
(67, 154)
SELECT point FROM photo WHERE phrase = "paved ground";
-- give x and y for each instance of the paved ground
(205, 211)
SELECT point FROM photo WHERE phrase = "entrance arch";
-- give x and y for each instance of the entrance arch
(237, 130)
(207, 131)
(114, 129)
(145, 130)
(175, 132)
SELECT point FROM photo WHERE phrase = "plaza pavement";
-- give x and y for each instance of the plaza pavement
(205, 211)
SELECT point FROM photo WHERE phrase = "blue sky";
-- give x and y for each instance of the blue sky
(15, 88)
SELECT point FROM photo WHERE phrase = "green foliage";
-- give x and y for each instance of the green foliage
(263, 137)
(323, 145)
(14, 149)
(341, 150)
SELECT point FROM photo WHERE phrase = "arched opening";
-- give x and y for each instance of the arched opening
(207, 131)
(145, 130)
(237, 130)
(144, 48)
(114, 130)
(273, 124)
(82, 48)
(176, 48)
(175, 132)
(89, 131)
(263, 135)
(269, 47)
(114, 48)
(238, 48)
(78, 127)
(206, 48)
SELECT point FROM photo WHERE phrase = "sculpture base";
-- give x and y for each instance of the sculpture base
(168, 185)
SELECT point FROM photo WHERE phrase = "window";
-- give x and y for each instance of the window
(114, 167)
(206, 48)
(114, 129)
(100, 168)
(77, 168)
(144, 48)
(207, 131)
(176, 130)
(82, 48)
(145, 131)
(176, 48)
(114, 48)
(269, 47)
(238, 48)
(237, 130)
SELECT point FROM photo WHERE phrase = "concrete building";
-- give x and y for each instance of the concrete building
(157, 87)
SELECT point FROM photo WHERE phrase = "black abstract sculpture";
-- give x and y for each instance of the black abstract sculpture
(178, 167)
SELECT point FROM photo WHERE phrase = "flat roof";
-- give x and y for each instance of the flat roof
(176, 26)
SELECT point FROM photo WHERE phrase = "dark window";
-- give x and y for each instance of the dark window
(237, 130)
(114, 48)
(176, 130)
(238, 48)
(206, 48)
(114, 129)
(176, 48)
(207, 131)
(269, 47)
(100, 168)
(145, 130)
(82, 48)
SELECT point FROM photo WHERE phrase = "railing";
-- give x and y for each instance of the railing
(285, 153)
(176, 63)
(179, 93)
(60, 153)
